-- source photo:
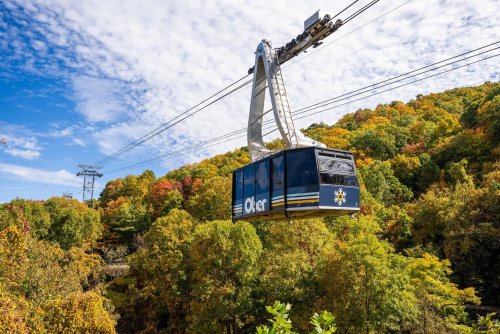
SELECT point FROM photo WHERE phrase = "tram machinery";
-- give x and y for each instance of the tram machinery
(306, 179)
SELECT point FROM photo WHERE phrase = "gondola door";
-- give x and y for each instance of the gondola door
(278, 183)
(262, 187)
(249, 190)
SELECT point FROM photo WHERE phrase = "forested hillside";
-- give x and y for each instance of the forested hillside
(161, 255)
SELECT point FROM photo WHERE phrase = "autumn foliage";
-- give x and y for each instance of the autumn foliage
(160, 254)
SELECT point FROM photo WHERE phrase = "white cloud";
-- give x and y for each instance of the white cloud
(78, 141)
(61, 133)
(60, 177)
(99, 100)
(21, 143)
(25, 154)
(137, 66)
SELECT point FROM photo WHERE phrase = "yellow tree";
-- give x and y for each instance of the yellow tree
(82, 313)
(441, 303)
(212, 200)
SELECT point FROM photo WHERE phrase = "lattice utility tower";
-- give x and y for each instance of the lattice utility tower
(89, 173)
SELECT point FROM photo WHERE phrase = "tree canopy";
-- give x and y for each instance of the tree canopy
(159, 254)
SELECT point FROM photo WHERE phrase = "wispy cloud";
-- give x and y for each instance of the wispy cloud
(78, 142)
(60, 177)
(21, 142)
(62, 133)
(25, 154)
(100, 100)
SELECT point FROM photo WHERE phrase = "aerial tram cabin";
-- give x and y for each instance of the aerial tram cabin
(306, 179)
(296, 183)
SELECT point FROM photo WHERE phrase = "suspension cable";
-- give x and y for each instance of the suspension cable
(228, 136)
(167, 125)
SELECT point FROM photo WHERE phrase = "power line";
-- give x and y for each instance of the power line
(228, 136)
(189, 115)
(184, 150)
(201, 145)
(338, 39)
(360, 11)
(390, 89)
(175, 154)
(405, 84)
(343, 10)
(393, 80)
(171, 123)
(345, 35)
(71, 184)
(168, 124)
(349, 95)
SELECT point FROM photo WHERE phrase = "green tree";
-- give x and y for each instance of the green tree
(13, 257)
(164, 196)
(159, 280)
(486, 325)
(440, 302)
(461, 224)
(379, 145)
(289, 268)
(225, 270)
(73, 222)
(428, 172)
(380, 181)
(32, 214)
(458, 173)
(406, 169)
(125, 217)
(18, 316)
(166, 259)
(364, 282)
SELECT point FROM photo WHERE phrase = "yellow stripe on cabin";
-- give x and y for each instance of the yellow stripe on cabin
(304, 201)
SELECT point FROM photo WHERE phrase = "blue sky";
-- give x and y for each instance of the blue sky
(81, 79)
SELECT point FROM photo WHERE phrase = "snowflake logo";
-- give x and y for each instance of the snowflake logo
(340, 197)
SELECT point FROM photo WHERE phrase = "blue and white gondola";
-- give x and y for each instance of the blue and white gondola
(305, 182)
